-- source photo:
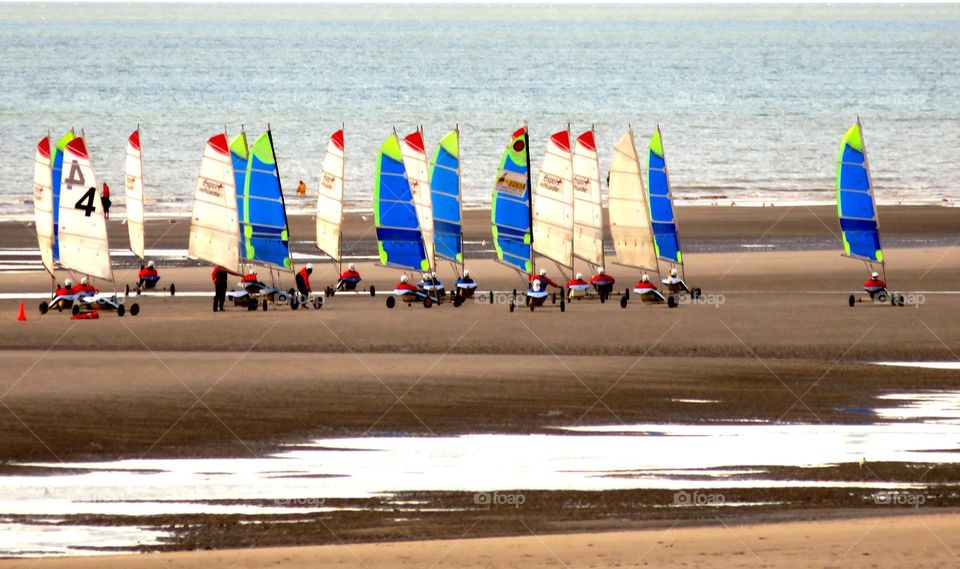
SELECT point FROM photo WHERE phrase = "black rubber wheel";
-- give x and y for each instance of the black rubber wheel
(512, 307)
(531, 307)
(900, 300)
(697, 292)
(852, 301)
(44, 307)
(603, 298)
(318, 303)
(563, 306)
(427, 302)
(121, 310)
(252, 304)
(623, 301)
(882, 296)
(264, 305)
(134, 309)
(456, 302)
(626, 293)
(75, 310)
(293, 303)
(553, 298)
(492, 299)
(283, 297)
(173, 290)
(373, 290)
(672, 301)
(391, 302)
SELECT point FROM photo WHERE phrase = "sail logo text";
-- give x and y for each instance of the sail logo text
(212, 188)
(581, 184)
(552, 183)
(512, 183)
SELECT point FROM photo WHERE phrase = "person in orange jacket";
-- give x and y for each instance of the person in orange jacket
(303, 280)
(349, 279)
(874, 284)
(84, 289)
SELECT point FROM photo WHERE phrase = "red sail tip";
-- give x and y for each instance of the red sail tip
(562, 139)
(586, 139)
(337, 139)
(219, 143)
(520, 132)
(44, 147)
(134, 139)
(77, 146)
(415, 140)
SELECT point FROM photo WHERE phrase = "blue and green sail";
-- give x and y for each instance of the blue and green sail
(510, 213)
(663, 221)
(856, 207)
(445, 196)
(399, 240)
(264, 234)
(240, 156)
(56, 162)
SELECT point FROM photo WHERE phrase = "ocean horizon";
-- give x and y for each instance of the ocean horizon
(752, 98)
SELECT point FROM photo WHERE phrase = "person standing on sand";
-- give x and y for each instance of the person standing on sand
(105, 200)
(303, 281)
(301, 189)
(219, 277)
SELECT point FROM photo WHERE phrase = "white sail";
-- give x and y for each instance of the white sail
(83, 230)
(553, 202)
(587, 210)
(418, 174)
(629, 218)
(133, 181)
(43, 202)
(215, 229)
(330, 199)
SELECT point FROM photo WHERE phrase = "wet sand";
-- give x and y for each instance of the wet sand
(928, 541)
(775, 341)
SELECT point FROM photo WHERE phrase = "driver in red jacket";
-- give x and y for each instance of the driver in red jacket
(303, 280)
(545, 281)
(874, 284)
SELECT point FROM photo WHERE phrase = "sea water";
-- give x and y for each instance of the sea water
(752, 99)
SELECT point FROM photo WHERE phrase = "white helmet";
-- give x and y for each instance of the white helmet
(433, 274)
(426, 276)
(351, 267)
(253, 272)
(83, 281)
(466, 272)
(403, 278)
(536, 286)
(68, 283)
(645, 278)
(875, 275)
(579, 276)
(601, 270)
(673, 272)
(150, 264)
(309, 266)
(543, 272)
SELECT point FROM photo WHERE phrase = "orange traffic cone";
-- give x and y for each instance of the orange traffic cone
(22, 315)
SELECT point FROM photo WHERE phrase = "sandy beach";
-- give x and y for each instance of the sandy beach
(774, 342)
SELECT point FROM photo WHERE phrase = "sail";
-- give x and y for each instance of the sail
(83, 230)
(56, 174)
(447, 209)
(856, 206)
(629, 219)
(265, 236)
(553, 202)
(587, 210)
(510, 211)
(133, 169)
(240, 157)
(43, 202)
(214, 228)
(665, 233)
(399, 240)
(418, 175)
(330, 199)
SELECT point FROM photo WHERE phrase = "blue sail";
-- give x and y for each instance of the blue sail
(662, 219)
(56, 175)
(399, 240)
(856, 207)
(264, 235)
(445, 196)
(240, 155)
(510, 212)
